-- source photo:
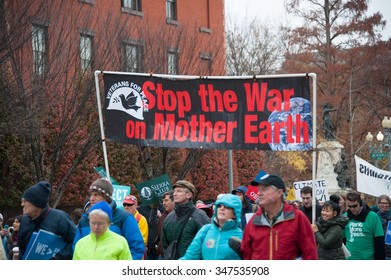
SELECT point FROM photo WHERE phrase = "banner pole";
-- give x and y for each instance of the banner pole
(313, 75)
(230, 172)
(102, 132)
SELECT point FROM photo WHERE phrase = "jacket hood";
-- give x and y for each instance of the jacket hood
(232, 201)
(339, 220)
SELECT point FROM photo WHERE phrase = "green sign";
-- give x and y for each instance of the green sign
(151, 191)
(378, 156)
(102, 173)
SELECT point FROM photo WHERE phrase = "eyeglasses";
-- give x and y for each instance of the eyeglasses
(383, 203)
(127, 205)
(352, 206)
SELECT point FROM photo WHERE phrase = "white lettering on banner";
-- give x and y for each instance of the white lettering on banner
(161, 188)
(119, 194)
(372, 180)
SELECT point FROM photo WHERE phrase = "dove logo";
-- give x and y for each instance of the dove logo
(130, 100)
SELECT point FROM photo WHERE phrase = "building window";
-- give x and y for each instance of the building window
(171, 11)
(39, 35)
(206, 64)
(172, 63)
(86, 52)
(134, 5)
(133, 58)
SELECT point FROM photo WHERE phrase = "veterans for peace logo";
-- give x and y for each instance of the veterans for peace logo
(129, 98)
(146, 193)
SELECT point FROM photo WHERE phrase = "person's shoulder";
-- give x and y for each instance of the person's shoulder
(121, 213)
(53, 212)
(198, 214)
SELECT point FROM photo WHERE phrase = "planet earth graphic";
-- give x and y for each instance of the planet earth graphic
(300, 106)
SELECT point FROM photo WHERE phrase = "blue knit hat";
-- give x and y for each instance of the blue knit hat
(104, 206)
(38, 195)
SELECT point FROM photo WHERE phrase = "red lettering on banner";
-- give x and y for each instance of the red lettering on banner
(255, 133)
(256, 99)
(213, 101)
(167, 100)
(196, 130)
(135, 130)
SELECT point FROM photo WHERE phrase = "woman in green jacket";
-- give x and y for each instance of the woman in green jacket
(329, 231)
(101, 243)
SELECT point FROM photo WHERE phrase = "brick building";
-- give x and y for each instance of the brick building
(171, 36)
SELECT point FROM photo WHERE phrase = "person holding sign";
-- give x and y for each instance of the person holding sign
(37, 217)
(101, 243)
(277, 231)
(306, 207)
(122, 223)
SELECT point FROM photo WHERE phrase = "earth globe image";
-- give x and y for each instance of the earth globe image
(298, 105)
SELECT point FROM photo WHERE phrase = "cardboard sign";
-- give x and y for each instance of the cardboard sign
(321, 193)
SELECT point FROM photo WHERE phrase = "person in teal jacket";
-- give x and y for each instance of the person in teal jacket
(211, 241)
(101, 243)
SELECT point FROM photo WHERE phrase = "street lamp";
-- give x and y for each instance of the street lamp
(375, 150)
(386, 124)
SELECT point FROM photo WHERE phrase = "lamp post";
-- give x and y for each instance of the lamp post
(386, 124)
(375, 150)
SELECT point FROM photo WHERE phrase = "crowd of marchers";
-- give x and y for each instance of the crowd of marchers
(233, 227)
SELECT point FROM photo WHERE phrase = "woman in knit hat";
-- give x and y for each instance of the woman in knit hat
(101, 243)
(123, 223)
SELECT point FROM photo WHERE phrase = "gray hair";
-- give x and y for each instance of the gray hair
(100, 213)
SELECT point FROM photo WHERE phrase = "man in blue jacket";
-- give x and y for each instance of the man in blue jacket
(122, 222)
(37, 215)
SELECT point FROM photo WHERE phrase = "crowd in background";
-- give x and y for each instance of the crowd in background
(233, 227)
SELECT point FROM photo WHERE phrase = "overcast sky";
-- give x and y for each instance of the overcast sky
(273, 11)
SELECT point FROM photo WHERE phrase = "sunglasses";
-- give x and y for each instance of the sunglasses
(127, 205)
(222, 205)
(352, 206)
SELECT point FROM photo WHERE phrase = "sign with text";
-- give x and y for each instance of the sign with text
(321, 193)
(372, 180)
(119, 194)
(212, 113)
(388, 234)
(44, 245)
(152, 190)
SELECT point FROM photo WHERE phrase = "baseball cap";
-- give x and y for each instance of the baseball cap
(268, 180)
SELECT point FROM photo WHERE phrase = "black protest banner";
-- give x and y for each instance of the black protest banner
(238, 114)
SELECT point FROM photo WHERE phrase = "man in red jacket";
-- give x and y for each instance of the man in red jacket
(277, 231)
